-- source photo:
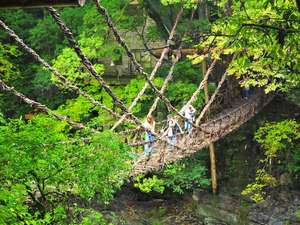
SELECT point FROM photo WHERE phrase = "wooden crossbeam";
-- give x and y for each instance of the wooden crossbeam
(184, 52)
(39, 3)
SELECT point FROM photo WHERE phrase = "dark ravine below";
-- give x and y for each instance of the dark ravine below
(202, 208)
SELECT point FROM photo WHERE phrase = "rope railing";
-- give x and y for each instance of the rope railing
(137, 65)
(212, 123)
(205, 133)
(56, 73)
(201, 84)
(197, 140)
(170, 73)
(103, 12)
(119, 39)
(213, 97)
(211, 100)
(164, 86)
(234, 110)
(89, 66)
(39, 106)
(87, 63)
(64, 81)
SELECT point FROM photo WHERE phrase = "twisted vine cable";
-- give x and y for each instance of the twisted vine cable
(118, 38)
(89, 66)
(55, 72)
(170, 73)
(39, 106)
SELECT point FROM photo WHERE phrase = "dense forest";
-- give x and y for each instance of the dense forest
(63, 158)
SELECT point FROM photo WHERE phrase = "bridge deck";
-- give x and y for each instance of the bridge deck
(210, 132)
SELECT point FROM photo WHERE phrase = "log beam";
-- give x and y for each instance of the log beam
(183, 52)
(39, 3)
(212, 150)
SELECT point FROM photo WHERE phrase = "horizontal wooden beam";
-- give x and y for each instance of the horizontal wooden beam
(39, 3)
(184, 51)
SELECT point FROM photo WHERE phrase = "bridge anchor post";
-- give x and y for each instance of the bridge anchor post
(212, 155)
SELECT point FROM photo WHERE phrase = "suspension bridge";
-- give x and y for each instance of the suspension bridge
(204, 132)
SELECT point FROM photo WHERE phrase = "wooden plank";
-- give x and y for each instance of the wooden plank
(39, 3)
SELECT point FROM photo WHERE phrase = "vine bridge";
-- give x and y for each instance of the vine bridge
(225, 110)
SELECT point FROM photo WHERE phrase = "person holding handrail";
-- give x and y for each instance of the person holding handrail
(173, 128)
(189, 113)
(149, 124)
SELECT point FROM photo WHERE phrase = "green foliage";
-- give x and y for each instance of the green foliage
(44, 162)
(265, 36)
(186, 77)
(280, 144)
(38, 29)
(42, 82)
(186, 3)
(12, 207)
(2, 120)
(45, 37)
(77, 109)
(186, 175)
(178, 177)
(149, 184)
(153, 33)
(69, 64)
(187, 72)
(93, 218)
(128, 93)
(20, 20)
(81, 216)
(180, 92)
(277, 136)
(8, 70)
(298, 213)
(196, 59)
(257, 190)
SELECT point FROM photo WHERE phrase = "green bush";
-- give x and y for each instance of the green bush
(42, 163)
(280, 143)
(179, 177)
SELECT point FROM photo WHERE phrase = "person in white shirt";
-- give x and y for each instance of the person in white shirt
(172, 130)
(149, 137)
(189, 113)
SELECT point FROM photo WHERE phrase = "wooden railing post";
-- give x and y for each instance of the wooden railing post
(212, 150)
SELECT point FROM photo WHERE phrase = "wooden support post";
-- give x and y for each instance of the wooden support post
(213, 168)
(212, 155)
(39, 3)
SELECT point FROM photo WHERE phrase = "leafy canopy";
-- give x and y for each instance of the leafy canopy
(280, 142)
(264, 35)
